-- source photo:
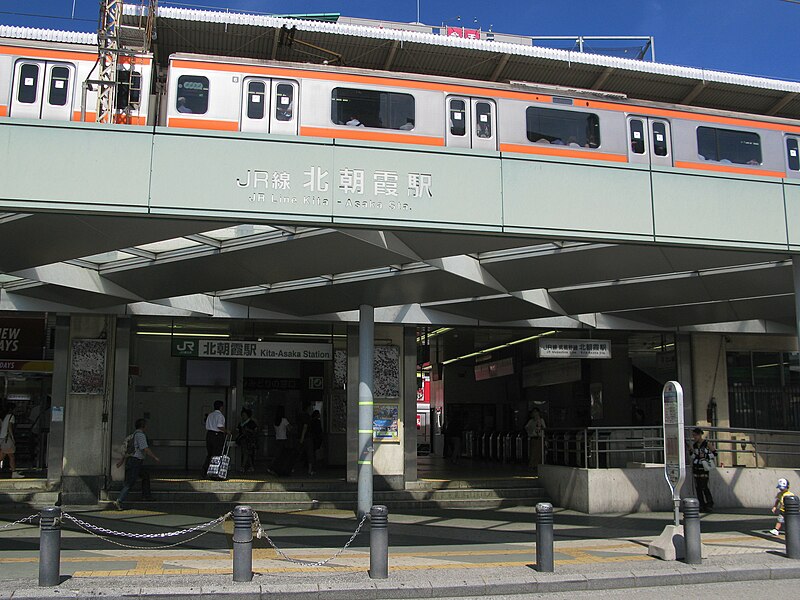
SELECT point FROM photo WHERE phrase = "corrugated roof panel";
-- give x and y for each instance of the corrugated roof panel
(48, 35)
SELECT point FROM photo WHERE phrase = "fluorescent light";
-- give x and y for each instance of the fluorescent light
(173, 334)
(289, 334)
(501, 346)
(433, 334)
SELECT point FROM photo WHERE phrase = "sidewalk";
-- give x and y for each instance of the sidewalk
(432, 554)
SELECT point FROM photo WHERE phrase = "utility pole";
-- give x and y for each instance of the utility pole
(108, 52)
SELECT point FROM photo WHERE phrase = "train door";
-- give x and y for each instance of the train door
(471, 123)
(42, 90)
(649, 141)
(269, 106)
(792, 156)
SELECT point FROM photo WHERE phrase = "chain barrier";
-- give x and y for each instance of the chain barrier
(29, 520)
(260, 533)
(102, 532)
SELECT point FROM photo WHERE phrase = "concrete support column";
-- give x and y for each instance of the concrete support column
(409, 404)
(55, 441)
(366, 360)
(120, 425)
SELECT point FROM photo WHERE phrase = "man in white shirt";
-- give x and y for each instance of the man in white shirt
(215, 434)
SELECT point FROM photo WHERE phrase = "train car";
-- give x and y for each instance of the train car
(206, 92)
(44, 80)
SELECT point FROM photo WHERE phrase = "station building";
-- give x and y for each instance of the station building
(142, 275)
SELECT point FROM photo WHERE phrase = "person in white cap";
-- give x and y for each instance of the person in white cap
(777, 508)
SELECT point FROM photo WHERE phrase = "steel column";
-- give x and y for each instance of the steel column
(366, 360)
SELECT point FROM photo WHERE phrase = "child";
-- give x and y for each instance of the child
(783, 491)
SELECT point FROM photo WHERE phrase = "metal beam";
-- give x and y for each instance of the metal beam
(601, 80)
(387, 64)
(781, 104)
(696, 90)
(501, 65)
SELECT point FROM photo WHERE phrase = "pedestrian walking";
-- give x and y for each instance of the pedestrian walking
(8, 446)
(247, 439)
(136, 448)
(215, 434)
(306, 439)
(703, 461)
(777, 508)
(535, 429)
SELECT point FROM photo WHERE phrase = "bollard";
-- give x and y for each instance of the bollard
(378, 542)
(242, 543)
(791, 514)
(50, 546)
(691, 532)
(544, 537)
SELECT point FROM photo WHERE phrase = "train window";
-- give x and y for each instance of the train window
(129, 90)
(59, 86)
(637, 136)
(563, 127)
(458, 117)
(256, 95)
(729, 146)
(793, 154)
(192, 94)
(483, 119)
(369, 108)
(28, 83)
(660, 147)
(284, 106)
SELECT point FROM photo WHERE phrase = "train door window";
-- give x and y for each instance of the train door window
(637, 136)
(284, 102)
(458, 117)
(793, 154)
(660, 138)
(483, 120)
(193, 94)
(28, 83)
(59, 86)
(256, 95)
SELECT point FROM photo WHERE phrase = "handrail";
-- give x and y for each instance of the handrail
(597, 447)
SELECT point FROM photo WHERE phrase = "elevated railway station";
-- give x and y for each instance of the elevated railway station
(524, 227)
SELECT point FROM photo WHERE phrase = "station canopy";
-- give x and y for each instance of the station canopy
(200, 268)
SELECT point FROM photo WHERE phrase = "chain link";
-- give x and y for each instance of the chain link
(260, 533)
(28, 519)
(121, 545)
(146, 536)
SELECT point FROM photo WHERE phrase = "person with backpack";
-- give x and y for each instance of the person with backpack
(778, 508)
(704, 457)
(135, 448)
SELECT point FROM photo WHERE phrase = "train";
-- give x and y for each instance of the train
(48, 80)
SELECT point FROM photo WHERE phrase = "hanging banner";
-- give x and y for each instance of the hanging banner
(674, 448)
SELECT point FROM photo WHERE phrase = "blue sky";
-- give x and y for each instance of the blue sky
(758, 37)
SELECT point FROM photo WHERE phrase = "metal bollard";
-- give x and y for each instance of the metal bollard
(378, 542)
(50, 546)
(242, 543)
(791, 514)
(691, 531)
(544, 537)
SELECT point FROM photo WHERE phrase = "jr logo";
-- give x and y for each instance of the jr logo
(184, 347)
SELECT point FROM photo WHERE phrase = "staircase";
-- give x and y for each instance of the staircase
(305, 494)
(27, 493)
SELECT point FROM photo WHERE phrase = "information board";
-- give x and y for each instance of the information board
(674, 447)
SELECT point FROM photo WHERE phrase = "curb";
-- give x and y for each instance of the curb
(492, 585)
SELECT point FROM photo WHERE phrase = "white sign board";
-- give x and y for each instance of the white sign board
(268, 350)
(674, 448)
(561, 348)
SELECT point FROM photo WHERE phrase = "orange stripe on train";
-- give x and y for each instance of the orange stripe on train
(563, 152)
(361, 133)
(756, 172)
(3, 111)
(211, 124)
(67, 55)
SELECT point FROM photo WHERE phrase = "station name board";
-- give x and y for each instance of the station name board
(203, 348)
(560, 348)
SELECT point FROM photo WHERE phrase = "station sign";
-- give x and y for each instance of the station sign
(215, 348)
(674, 448)
(561, 348)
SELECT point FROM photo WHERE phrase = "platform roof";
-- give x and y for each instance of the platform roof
(416, 48)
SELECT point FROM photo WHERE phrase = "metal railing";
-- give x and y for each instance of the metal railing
(615, 447)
